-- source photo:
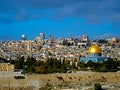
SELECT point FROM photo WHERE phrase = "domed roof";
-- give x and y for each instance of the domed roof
(94, 49)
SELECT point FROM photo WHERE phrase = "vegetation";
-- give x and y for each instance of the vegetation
(31, 65)
(19, 64)
(105, 66)
(52, 65)
(102, 41)
(3, 60)
(97, 86)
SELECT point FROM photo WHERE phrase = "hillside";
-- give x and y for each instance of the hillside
(78, 79)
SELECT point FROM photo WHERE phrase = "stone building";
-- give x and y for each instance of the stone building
(6, 67)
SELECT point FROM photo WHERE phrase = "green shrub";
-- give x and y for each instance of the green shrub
(97, 86)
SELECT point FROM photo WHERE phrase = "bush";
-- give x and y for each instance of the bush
(97, 86)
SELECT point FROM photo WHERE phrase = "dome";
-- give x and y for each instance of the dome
(23, 37)
(94, 49)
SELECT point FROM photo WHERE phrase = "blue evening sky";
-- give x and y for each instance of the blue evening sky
(61, 18)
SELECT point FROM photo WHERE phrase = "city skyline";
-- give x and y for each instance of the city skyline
(60, 18)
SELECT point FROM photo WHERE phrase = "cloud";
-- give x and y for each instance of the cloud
(94, 11)
(22, 15)
(98, 9)
(34, 4)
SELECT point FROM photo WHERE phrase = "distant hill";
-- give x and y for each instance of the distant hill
(108, 35)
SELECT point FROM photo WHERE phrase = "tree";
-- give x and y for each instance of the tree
(111, 65)
(28, 70)
(39, 63)
(30, 61)
(102, 41)
(30, 65)
(82, 65)
(12, 61)
(19, 64)
(90, 64)
(107, 66)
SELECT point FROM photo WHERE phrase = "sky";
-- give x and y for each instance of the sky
(61, 18)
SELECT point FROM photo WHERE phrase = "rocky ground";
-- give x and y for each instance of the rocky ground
(78, 81)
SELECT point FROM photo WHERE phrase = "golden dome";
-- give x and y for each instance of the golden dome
(94, 49)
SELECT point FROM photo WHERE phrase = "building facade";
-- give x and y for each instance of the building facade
(6, 67)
